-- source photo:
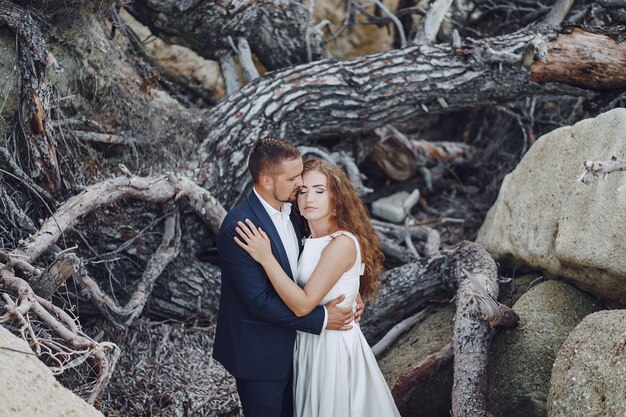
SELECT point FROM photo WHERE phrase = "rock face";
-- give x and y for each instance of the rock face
(434, 398)
(521, 360)
(29, 388)
(589, 374)
(546, 219)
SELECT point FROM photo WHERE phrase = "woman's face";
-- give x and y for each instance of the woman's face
(314, 196)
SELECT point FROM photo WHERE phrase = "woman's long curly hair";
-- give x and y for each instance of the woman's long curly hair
(348, 213)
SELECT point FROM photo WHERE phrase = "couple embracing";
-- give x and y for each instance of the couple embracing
(292, 280)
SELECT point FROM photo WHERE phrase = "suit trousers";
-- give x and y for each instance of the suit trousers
(266, 398)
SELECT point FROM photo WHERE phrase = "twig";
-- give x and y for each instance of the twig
(597, 168)
(155, 189)
(394, 19)
(399, 329)
(432, 22)
(229, 72)
(558, 12)
(245, 59)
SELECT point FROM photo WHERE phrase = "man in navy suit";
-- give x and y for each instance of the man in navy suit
(256, 331)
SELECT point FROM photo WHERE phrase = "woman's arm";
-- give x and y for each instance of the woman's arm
(337, 257)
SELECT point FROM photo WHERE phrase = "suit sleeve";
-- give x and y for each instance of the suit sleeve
(254, 288)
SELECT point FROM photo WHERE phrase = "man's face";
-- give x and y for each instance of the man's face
(288, 180)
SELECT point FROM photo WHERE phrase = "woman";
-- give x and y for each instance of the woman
(335, 374)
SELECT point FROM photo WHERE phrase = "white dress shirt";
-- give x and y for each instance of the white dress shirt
(287, 234)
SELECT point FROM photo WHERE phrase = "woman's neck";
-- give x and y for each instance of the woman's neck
(320, 228)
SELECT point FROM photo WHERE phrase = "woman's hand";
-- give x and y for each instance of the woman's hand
(257, 244)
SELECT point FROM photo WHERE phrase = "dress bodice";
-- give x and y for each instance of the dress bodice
(348, 283)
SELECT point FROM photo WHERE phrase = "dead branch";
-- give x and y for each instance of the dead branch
(409, 231)
(64, 266)
(104, 354)
(398, 330)
(21, 176)
(110, 138)
(124, 316)
(275, 29)
(411, 381)
(154, 189)
(471, 269)
(601, 168)
(432, 22)
(584, 59)
(331, 98)
(558, 12)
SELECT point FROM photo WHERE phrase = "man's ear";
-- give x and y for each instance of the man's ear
(266, 182)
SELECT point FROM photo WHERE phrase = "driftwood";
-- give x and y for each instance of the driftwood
(21, 260)
(370, 92)
(321, 100)
(471, 269)
(413, 380)
(278, 32)
(601, 168)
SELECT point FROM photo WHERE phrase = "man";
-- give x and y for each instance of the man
(256, 331)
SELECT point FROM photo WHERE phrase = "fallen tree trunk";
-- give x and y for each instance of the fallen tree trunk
(279, 32)
(471, 269)
(329, 97)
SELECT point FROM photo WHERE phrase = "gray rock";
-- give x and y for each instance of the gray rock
(589, 373)
(521, 360)
(434, 398)
(546, 219)
(391, 208)
(29, 388)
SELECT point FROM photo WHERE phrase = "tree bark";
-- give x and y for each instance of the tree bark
(34, 58)
(583, 59)
(411, 381)
(329, 98)
(279, 32)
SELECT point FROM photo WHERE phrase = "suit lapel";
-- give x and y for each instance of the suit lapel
(268, 225)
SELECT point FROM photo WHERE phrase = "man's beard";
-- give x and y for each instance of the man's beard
(290, 199)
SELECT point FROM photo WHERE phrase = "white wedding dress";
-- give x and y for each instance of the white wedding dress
(336, 373)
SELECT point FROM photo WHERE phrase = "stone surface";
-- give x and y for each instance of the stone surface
(29, 388)
(391, 208)
(521, 360)
(180, 60)
(429, 336)
(589, 373)
(546, 219)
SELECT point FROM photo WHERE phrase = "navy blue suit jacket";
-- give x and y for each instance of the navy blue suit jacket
(255, 331)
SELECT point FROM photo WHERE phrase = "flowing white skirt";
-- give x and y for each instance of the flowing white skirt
(336, 375)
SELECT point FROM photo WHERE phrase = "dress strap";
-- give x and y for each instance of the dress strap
(358, 248)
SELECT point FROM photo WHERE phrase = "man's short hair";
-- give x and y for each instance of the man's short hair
(267, 155)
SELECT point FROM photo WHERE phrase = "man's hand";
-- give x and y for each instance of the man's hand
(338, 317)
(359, 309)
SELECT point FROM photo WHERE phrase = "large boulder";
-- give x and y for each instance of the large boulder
(432, 399)
(521, 360)
(546, 219)
(29, 388)
(589, 373)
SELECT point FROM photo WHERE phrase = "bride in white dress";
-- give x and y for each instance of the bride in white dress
(335, 373)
